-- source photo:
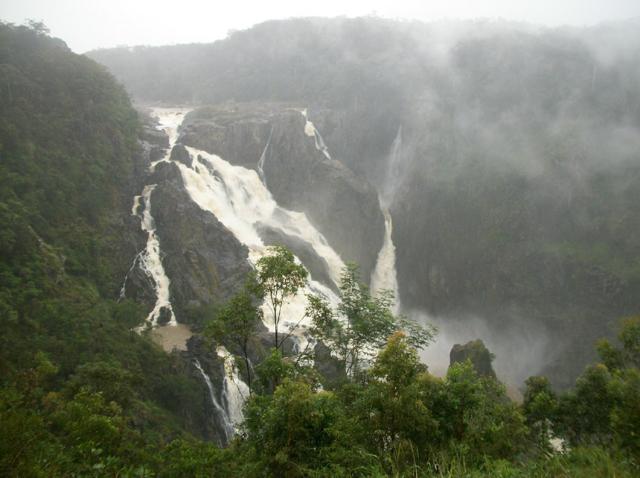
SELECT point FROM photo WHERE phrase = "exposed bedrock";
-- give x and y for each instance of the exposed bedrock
(342, 205)
(202, 258)
(476, 352)
(315, 264)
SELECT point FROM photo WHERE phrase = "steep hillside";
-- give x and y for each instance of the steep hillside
(78, 388)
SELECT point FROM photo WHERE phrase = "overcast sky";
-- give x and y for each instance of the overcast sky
(89, 24)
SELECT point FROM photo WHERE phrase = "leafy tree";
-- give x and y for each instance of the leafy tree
(394, 408)
(627, 356)
(540, 406)
(292, 431)
(485, 422)
(625, 415)
(236, 323)
(362, 323)
(584, 413)
(279, 278)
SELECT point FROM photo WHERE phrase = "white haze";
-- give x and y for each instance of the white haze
(521, 348)
(90, 24)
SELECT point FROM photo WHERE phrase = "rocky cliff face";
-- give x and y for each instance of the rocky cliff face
(205, 262)
(136, 284)
(477, 353)
(275, 140)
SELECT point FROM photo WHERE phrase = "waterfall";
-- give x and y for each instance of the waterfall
(150, 258)
(123, 289)
(228, 426)
(311, 131)
(151, 262)
(234, 390)
(240, 200)
(385, 275)
(263, 157)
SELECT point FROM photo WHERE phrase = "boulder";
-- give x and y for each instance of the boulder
(179, 153)
(477, 353)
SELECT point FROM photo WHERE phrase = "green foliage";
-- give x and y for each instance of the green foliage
(540, 405)
(236, 323)
(273, 370)
(603, 408)
(293, 431)
(279, 278)
(80, 393)
(362, 323)
(195, 459)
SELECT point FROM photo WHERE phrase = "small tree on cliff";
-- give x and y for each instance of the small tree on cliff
(362, 323)
(279, 278)
(236, 323)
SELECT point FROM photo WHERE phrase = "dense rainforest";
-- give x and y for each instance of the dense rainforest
(78, 387)
(84, 394)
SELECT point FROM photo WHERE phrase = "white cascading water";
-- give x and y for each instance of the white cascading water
(151, 262)
(234, 390)
(263, 158)
(384, 275)
(240, 200)
(123, 289)
(311, 131)
(228, 425)
(150, 259)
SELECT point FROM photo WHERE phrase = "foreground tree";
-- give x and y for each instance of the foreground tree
(236, 323)
(540, 406)
(279, 278)
(362, 323)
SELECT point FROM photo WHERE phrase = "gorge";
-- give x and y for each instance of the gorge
(479, 177)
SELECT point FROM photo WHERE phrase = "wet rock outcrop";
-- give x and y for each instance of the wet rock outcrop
(477, 353)
(315, 264)
(202, 360)
(275, 140)
(137, 285)
(202, 258)
(238, 135)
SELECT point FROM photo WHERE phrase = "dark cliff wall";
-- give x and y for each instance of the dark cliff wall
(204, 261)
(342, 205)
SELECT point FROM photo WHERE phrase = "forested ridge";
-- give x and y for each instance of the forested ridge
(82, 394)
(79, 388)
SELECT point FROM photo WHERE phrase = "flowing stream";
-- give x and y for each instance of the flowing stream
(150, 258)
(225, 417)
